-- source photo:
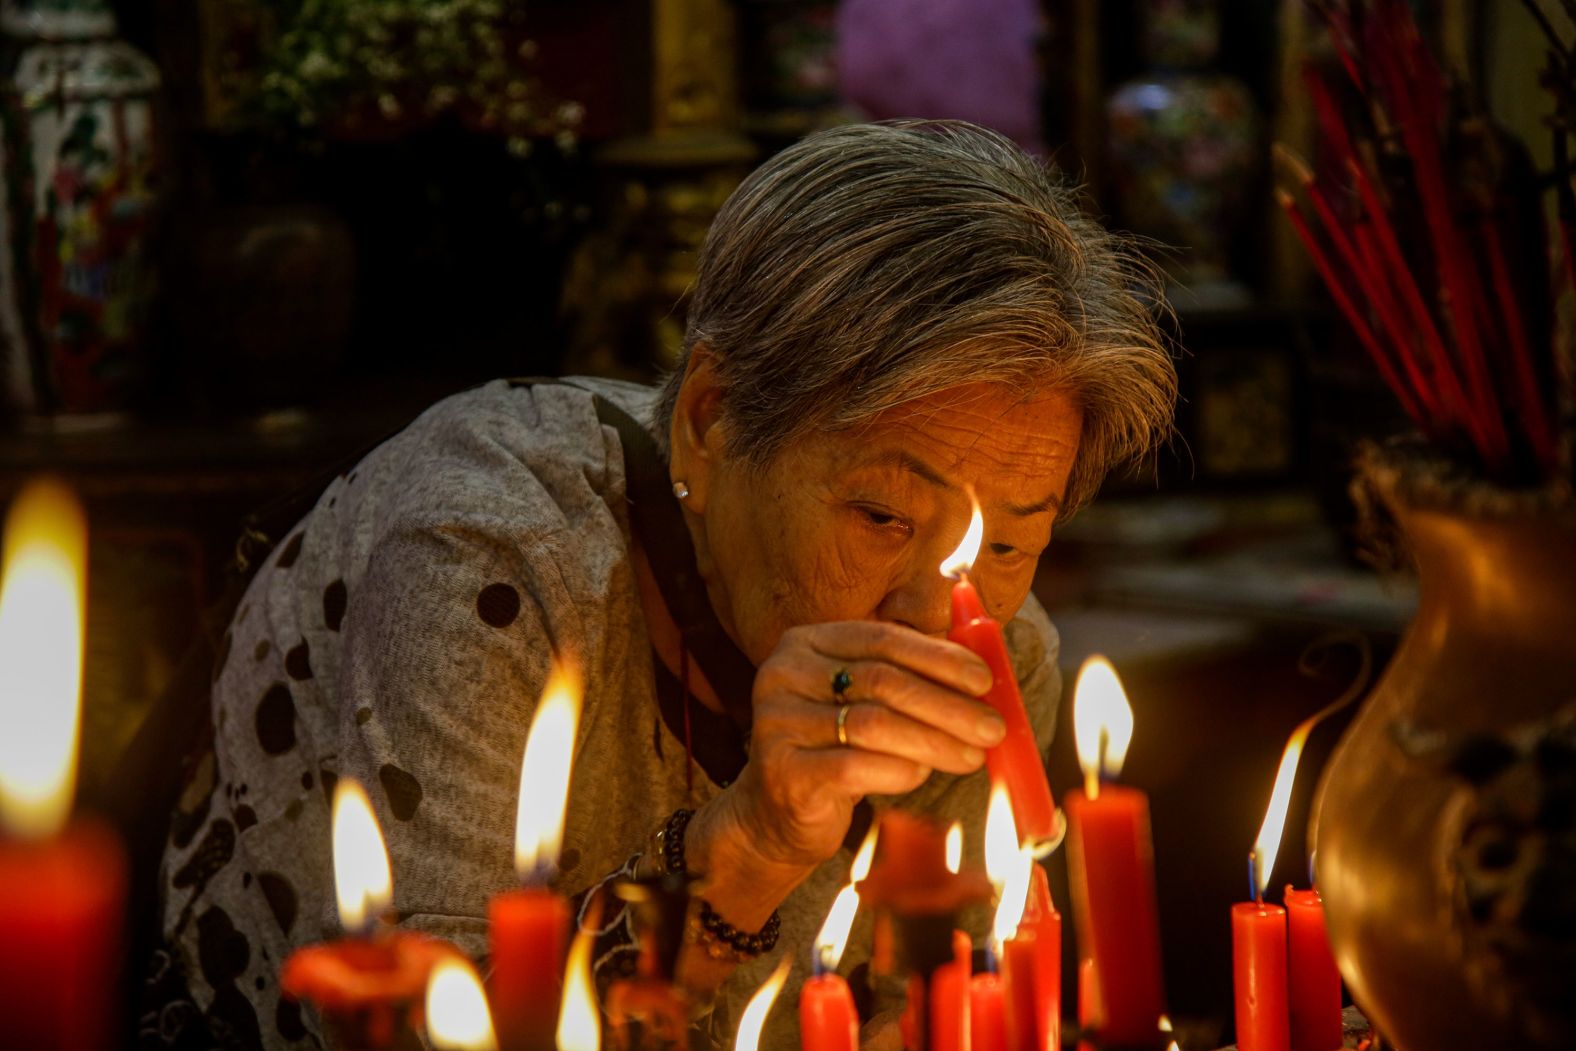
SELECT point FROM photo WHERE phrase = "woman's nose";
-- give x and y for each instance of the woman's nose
(922, 601)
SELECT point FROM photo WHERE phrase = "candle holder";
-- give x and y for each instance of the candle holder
(650, 1009)
(368, 990)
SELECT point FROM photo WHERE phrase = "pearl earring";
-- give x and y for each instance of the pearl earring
(681, 490)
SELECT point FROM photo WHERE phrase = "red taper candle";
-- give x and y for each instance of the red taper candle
(1315, 984)
(828, 1019)
(1015, 762)
(1258, 960)
(1032, 967)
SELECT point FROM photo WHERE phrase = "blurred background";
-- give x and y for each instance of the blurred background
(274, 230)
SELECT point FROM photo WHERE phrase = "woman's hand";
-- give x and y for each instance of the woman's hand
(912, 708)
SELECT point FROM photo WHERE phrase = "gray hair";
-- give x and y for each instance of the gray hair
(872, 264)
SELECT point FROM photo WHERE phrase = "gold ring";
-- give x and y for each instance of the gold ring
(842, 723)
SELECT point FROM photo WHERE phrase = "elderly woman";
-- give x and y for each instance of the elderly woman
(885, 317)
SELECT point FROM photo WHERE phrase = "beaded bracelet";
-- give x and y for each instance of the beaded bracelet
(710, 927)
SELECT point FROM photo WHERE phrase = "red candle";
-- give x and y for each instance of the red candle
(1315, 984)
(828, 1020)
(529, 933)
(61, 902)
(1111, 863)
(1015, 762)
(988, 1012)
(944, 1002)
(1258, 958)
(62, 883)
(528, 928)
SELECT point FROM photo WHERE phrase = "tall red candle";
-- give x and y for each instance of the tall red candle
(1088, 1001)
(1111, 861)
(1258, 958)
(62, 882)
(528, 928)
(1015, 762)
(1315, 984)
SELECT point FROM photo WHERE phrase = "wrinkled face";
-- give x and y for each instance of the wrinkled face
(854, 524)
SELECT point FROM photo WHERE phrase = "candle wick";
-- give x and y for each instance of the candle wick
(1092, 784)
(1254, 888)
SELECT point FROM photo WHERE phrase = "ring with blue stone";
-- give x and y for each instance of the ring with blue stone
(841, 681)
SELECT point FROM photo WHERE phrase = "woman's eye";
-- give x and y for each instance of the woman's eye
(883, 520)
(1003, 550)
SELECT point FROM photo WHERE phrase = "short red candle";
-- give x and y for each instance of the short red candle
(61, 904)
(1315, 984)
(1258, 957)
(366, 988)
(1111, 861)
(828, 1020)
(529, 933)
(988, 1013)
(1015, 762)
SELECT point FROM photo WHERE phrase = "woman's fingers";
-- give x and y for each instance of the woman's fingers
(945, 662)
(856, 773)
(922, 700)
(878, 729)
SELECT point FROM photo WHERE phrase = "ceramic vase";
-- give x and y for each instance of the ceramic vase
(1445, 825)
(79, 195)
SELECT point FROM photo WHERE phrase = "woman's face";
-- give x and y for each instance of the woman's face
(854, 524)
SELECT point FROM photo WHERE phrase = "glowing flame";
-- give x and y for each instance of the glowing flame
(960, 561)
(1102, 722)
(361, 863)
(457, 1015)
(544, 777)
(1268, 844)
(833, 937)
(579, 1024)
(1008, 866)
(41, 600)
(867, 852)
(955, 848)
(760, 1005)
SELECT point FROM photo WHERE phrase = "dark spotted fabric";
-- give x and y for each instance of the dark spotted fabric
(402, 637)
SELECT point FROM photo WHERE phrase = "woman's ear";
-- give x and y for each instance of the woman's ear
(698, 438)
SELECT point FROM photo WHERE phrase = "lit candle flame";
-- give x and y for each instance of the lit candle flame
(961, 560)
(361, 862)
(867, 853)
(760, 1005)
(955, 848)
(579, 1023)
(1102, 722)
(457, 1015)
(833, 936)
(1008, 866)
(41, 600)
(544, 777)
(1267, 845)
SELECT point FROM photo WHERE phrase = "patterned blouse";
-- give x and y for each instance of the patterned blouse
(401, 635)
